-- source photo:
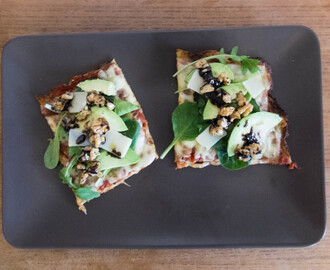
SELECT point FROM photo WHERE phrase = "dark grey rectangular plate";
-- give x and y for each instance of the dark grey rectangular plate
(261, 205)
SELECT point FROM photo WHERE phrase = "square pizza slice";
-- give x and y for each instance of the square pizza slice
(101, 135)
(231, 117)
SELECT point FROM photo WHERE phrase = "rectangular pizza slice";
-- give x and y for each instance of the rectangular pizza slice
(101, 135)
(234, 120)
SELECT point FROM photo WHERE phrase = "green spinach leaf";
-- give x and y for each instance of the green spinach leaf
(109, 98)
(86, 193)
(123, 107)
(78, 89)
(186, 121)
(133, 130)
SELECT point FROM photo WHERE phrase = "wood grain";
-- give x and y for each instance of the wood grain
(71, 16)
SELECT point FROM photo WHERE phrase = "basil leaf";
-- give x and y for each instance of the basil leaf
(86, 193)
(52, 153)
(75, 150)
(123, 107)
(185, 120)
(133, 130)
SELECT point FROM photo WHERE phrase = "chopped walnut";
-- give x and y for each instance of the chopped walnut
(110, 105)
(94, 153)
(83, 178)
(226, 98)
(226, 111)
(59, 105)
(93, 169)
(81, 166)
(216, 130)
(235, 115)
(243, 154)
(96, 98)
(245, 110)
(201, 63)
(83, 114)
(224, 78)
(99, 126)
(207, 88)
(96, 140)
(241, 100)
(254, 148)
(67, 95)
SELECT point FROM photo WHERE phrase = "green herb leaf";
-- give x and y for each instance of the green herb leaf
(86, 193)
(109, 98)
(78, 89)
(75, 150)
(133, 130)
(256, 107)
(247, 62)
(123, 107)
(188, 77)
(185, 120)
(52, 153)
(62, 133)
(229, 163)
(222, 51)
(234, 50)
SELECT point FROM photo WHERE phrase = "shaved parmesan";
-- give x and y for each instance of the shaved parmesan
(254, 85)
(78, 102)
(196, 82)
(207, 140)
(74, 134)
(116, 143)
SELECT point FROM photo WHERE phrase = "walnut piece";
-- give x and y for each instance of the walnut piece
(96, 99)
(241, 100)
(224, 78)
(83, 178)
(245, 110)
(83, 114)
(235, 115)
(96, 140)
(99, 126)
(207, 88)
(226, 111)
(226, 98)
(67, 96)
(94, 153)
(201, 63)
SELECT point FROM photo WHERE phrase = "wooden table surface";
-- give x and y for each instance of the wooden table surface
(71, 16)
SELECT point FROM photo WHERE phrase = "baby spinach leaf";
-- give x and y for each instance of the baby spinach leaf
(186, 120)
(78, 89)
(229, 163)
(123, 107)
(133, 130)
(86, 193)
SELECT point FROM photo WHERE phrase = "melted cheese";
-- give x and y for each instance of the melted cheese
(270, 143)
